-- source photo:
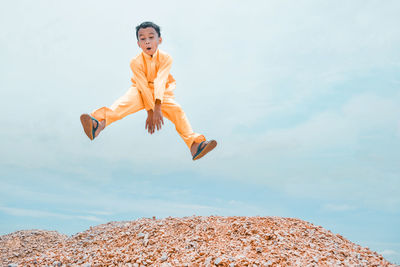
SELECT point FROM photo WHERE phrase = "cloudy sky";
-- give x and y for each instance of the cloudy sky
(302, 96)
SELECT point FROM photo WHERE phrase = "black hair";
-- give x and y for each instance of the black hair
(148, 24)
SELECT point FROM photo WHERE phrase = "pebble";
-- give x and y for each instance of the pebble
(208, 260)
(191, 241)
(164, 257)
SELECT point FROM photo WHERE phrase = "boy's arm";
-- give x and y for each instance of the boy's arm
(142, 85)
(161, 79)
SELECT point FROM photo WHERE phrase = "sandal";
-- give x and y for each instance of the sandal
(88, 127)
(203, 150)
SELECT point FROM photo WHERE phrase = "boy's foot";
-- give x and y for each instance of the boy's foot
(91, 126)
(202, 149)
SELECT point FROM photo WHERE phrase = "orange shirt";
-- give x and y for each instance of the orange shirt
(151, 76)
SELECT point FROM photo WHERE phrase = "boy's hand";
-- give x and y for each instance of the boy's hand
(158, 120)
(149, 122)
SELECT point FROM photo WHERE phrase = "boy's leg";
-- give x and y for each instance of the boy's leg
(129, 103)
(174, 112)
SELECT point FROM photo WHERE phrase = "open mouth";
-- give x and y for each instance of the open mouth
(148, 48)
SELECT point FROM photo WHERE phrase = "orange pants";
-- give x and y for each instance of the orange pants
(132, 102)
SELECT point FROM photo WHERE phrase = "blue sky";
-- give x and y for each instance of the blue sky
(303, 98)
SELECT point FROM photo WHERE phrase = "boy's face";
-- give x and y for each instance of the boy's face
(148, 40)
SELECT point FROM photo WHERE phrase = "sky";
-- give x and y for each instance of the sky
(302, 97)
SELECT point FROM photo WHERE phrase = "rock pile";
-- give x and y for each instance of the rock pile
(189, 241)
(24, 244)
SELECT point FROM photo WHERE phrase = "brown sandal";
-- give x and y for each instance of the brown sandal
(87, 123)
(203, 150)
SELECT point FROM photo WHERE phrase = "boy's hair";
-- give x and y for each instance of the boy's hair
(148, 24)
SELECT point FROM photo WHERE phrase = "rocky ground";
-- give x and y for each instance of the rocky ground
(189, 241)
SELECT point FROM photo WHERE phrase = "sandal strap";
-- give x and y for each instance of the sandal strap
(94, 129)
(199, 149)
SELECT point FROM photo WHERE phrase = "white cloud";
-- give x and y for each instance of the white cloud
(99, 212)
(398, 128)
(44, 214)
(338, 207)
(89, 218)
(373, 111)
(389, 252)
(156, 207)
(337, 128)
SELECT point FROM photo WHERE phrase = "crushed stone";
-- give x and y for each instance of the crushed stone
(189, 241)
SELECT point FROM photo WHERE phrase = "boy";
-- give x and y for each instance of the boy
(152, 89)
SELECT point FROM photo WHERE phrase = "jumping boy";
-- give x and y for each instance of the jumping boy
(152, 89)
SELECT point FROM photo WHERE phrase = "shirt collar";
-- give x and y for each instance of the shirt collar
(150, 57)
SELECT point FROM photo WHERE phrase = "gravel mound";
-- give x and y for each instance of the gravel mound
(27, 243)
(189, 241)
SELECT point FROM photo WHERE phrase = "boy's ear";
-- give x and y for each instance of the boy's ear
(160, 40)
(138, 43)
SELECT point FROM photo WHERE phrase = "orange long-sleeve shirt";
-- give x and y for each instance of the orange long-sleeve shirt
(151, 76)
